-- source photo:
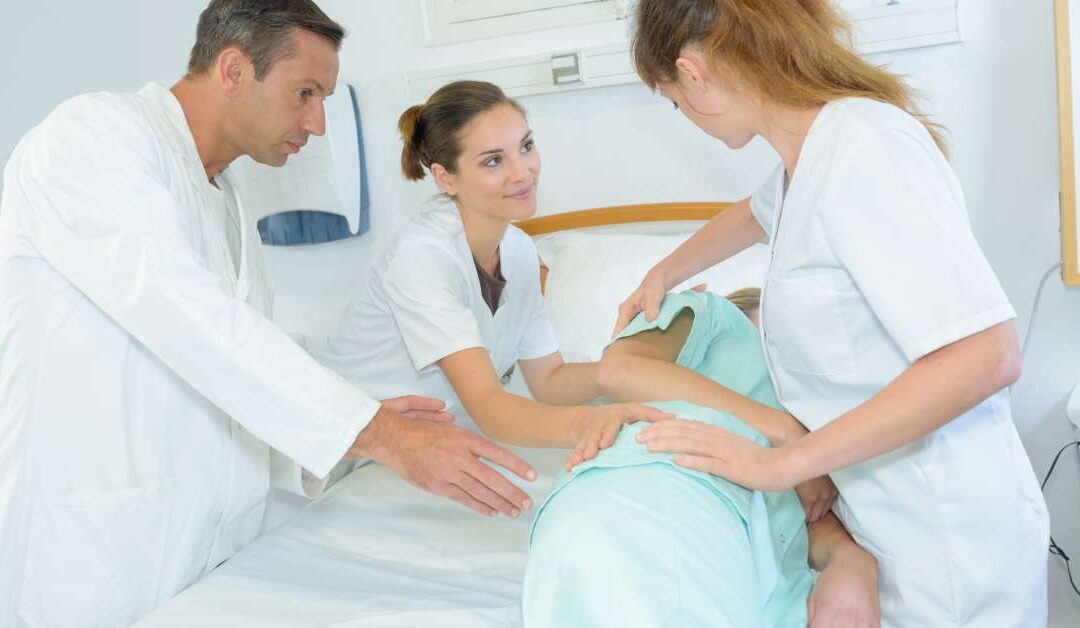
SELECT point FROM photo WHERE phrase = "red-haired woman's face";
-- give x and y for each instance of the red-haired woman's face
(712, 102)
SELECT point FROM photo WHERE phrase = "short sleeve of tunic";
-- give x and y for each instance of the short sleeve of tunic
(538, 338)
(427, 292)
(896, 221)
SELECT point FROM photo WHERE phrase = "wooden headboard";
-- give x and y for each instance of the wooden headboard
(621, 215)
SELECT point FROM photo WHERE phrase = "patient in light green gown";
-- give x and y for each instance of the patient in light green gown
(629, 538)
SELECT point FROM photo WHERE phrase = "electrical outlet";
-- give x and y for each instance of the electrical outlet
(1072, 409)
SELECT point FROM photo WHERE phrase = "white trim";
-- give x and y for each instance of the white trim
(910, 24)
(445, 23)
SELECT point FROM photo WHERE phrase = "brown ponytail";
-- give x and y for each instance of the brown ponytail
(796, 52)
(412, 163)
(430, 133)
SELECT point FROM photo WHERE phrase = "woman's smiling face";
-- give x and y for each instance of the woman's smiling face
(498, 168)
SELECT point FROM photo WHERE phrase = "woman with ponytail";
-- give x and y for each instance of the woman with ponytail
(453, 306)
(886, 331)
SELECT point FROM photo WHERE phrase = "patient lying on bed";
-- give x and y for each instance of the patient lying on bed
(631, 539)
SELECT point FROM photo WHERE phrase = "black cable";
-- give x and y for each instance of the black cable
(1055, 549)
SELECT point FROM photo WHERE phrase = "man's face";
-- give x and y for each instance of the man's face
(275, 116)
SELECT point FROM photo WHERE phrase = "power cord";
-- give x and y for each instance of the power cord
(1035, 307)
(1055, 549)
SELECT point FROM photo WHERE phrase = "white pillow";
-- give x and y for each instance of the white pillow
(590, 274)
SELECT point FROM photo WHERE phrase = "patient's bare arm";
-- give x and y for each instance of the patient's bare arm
(846, 592)
(642, 368)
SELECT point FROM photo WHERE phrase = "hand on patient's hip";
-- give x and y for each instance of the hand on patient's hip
(846, 593)
(714, 450)
(600, 426)
(446, 460)
(420, 408)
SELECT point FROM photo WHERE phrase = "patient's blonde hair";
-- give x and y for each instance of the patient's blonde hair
(748, 300)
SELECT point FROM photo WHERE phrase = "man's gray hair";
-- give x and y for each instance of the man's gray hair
(261, 29)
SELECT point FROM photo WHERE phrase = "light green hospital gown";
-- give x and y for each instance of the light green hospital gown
(630, 539)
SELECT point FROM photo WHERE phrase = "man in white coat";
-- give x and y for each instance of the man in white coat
(142, 383)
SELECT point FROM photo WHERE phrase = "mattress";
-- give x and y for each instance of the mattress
(373, 551)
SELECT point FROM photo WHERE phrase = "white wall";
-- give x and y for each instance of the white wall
(52, 50)
(995, 92)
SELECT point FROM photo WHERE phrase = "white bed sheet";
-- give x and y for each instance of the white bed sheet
(371, 552)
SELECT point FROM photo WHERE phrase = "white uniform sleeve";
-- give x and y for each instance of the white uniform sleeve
(539, 338)
(428, 295)
(97, 210)
(896, 220)
(763, 202)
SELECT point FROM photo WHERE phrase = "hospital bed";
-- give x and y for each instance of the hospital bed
(373, 551)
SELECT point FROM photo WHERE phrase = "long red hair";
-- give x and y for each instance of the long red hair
(795, 52)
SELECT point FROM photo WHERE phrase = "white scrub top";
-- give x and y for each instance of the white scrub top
(874, 265)
(422, 302)
(141, 380)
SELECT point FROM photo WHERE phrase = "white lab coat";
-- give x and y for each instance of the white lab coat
(127, 341)
(874, 265)
(422, 302)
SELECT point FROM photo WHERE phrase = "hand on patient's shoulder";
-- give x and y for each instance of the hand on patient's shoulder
(445, 460)
(647, 298)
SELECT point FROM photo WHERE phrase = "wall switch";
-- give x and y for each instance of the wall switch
(566, 68)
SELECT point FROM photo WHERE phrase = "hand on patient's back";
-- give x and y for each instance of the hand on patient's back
(817, 497)
(600, 426)
(446, 460)
(420, 408)
(647, 298)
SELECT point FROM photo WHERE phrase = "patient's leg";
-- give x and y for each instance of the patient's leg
(641, 546)
(642, 368)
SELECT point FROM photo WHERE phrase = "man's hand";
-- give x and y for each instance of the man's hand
(445, 460)
(420, 408)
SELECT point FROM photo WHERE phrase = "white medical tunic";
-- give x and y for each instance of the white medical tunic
(874, 265)
(141, 380)
(423, 302)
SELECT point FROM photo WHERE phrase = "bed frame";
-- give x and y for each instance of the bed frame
(620, 215)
